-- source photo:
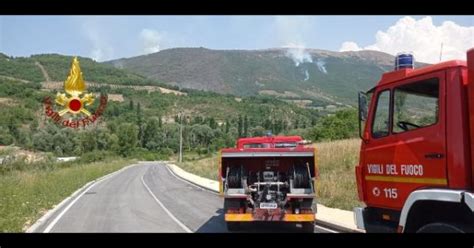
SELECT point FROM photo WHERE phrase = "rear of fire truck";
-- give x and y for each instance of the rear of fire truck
(270, 179)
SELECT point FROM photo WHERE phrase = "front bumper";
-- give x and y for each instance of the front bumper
(359, 218)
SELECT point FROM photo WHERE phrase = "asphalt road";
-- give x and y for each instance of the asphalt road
(147, 198)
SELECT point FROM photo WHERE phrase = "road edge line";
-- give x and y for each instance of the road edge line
(50, 212)
(190, 182)
(33, 228)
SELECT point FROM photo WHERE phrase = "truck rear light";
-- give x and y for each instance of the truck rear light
(385, 217)
(233, 211)
(306, 211)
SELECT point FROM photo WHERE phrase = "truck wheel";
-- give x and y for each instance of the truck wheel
(233, 226)
(308, 227)
(440, 227)
(301, 177)
(234, 178)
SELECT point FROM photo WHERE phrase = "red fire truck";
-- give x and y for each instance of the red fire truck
(268, 179)
(415, 172)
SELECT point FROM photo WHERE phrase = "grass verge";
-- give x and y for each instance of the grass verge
(337, 184)
(202, 166)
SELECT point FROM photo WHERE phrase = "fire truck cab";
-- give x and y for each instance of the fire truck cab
(416, 158)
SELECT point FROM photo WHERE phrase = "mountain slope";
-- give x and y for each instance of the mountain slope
(55, 67)
(322, 76)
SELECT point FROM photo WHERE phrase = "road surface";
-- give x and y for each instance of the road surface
(147, 197)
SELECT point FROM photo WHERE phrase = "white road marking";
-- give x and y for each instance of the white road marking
(325, 229)
(53, 223)
(185, 228)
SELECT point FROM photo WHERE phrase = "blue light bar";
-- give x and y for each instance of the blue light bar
(404, 61)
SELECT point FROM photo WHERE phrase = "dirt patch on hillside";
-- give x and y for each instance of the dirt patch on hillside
(274, 93)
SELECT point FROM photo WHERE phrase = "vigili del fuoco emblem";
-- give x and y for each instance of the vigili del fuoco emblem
(75, 101)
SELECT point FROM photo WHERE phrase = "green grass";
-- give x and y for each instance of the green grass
(205, 166)
(337, 186)
(26, 195)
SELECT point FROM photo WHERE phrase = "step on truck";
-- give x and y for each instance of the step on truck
(268, 179)
(415, 172)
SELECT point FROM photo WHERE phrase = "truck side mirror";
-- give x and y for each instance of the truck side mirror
(362, 113)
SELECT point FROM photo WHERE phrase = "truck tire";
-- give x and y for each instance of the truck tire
(440, 227)
(308, 227)
(301, 179)
(233, 226)
(234, 180)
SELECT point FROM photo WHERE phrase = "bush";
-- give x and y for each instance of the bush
(95, 156)
(22, 162)
(342, 125)
(166, 151)
(127, 138)
(144, 154)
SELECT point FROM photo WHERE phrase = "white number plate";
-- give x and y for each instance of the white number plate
(268, 205)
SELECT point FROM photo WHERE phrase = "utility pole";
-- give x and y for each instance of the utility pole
(181, 138)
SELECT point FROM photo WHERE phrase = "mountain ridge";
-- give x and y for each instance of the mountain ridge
(322, 76)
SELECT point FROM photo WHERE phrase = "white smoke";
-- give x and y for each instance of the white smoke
(423, 38)
(119, 64)
(101, 49)
(291, 33)
(321, 66)
(298, 54)
(349, 46)
(306, 75)
(151, 40)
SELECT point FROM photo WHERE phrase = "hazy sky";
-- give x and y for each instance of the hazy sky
(110, 37)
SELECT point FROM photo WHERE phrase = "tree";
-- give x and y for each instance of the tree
(201, 135)
(43, 141)
(140, 125)
(114, 143)
(257, 131)
(115, 110)
(102, 138)
(246, 126)
(130, 105)
(342, 125)
(212, 123)
(13, 127)
(5, 137)
(267, 124)
(87, 140)
(240, 126)
(127, 138)
(63, 143)
(150, 134)
(227, 126)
